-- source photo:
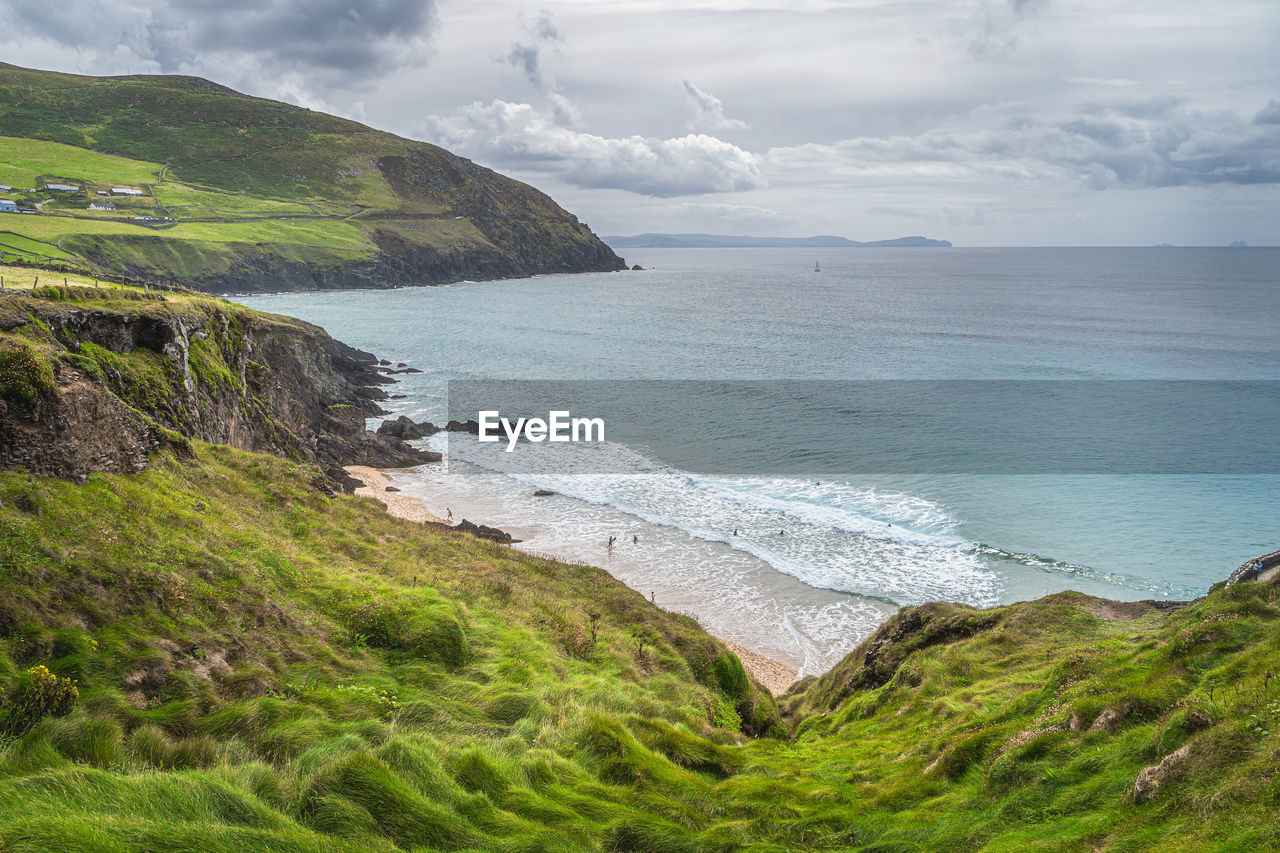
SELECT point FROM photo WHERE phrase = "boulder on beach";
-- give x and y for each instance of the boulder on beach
(543, 493)
(484, 531)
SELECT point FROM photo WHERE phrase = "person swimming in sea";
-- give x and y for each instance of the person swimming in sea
(635, 540)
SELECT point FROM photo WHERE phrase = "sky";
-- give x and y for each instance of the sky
(984, 122)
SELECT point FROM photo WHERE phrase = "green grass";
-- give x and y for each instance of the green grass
(253, 185)
(295, 232)
(26, 248)
(25, 162)
(262, 667)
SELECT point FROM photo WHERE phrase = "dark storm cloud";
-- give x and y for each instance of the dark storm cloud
(334, 42)
(527, 58)
(545, 28)
(1270, 114)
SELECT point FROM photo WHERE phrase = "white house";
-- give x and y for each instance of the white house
(5, 188)
(62, 188)
(102, 205)
(7, 206)
(125, 191)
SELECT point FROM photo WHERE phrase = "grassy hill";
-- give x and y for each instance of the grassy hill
(214, 654)
(240, 192)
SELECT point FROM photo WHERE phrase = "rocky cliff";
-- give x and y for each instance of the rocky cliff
(98, 379)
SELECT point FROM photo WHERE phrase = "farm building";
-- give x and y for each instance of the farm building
(102, 205)
(62, 188)
(7, 206)
(5, 188)
(125, 191)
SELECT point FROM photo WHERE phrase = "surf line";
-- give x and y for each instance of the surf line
(558, 426)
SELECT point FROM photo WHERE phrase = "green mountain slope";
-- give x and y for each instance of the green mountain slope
(211, 653)
(245, 193)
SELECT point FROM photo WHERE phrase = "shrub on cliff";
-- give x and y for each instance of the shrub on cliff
(24, 373)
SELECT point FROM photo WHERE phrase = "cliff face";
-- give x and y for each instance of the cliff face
(239, 193)
(93, 381)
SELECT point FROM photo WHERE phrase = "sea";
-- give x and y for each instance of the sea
(803, 567)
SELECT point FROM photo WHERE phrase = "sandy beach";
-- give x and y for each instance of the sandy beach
(401, 506)
(775, 677)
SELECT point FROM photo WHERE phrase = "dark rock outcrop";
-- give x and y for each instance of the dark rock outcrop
(125, 383)
(485, 532)
(472, 427)
(406, 429)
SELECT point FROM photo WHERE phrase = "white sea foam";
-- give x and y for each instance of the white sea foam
(812, 570)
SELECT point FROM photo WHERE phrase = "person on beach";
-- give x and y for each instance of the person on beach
(450, 512)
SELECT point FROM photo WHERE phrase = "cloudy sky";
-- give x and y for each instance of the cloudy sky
(986, 122)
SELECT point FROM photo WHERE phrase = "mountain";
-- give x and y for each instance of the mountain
(723, 241)
(231, 192)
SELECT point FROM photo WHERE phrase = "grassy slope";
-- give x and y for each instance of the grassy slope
(233, 630)
(205, 154)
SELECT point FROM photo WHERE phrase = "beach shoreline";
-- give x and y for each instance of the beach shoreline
(775, 676)
(400, 506)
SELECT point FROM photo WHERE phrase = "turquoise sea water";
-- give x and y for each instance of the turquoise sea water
(854, 548)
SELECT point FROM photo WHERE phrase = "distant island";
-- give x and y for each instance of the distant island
(723, 241)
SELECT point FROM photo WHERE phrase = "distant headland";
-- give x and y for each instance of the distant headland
(723, 241)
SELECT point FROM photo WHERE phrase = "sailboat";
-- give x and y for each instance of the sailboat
(816, 268)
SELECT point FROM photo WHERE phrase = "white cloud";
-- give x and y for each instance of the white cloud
(517, 134)
(1156, 145)
(709, 111)
(999, 21)
(738, 215)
